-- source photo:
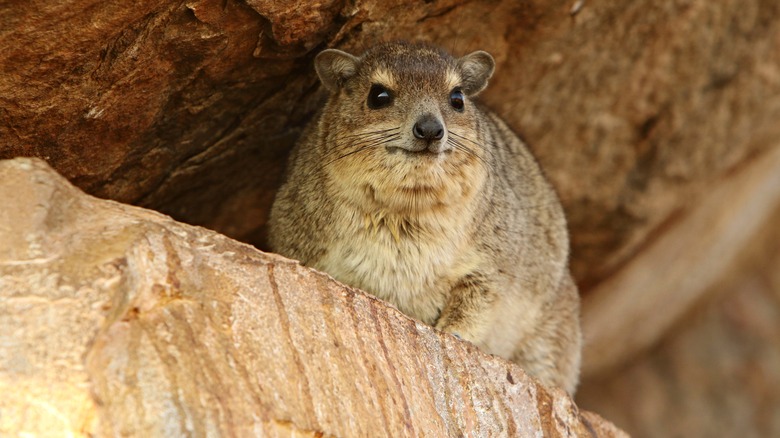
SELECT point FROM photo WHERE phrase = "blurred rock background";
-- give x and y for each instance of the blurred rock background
(659, 125)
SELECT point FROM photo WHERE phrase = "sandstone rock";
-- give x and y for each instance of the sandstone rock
(715, 374)
(115, 320)
(632, 310)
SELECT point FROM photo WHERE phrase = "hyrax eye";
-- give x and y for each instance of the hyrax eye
(379, 97)
(456, 99)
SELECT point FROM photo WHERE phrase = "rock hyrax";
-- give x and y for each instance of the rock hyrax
(405, 187)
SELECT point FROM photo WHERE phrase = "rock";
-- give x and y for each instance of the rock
(716, 373)
(115, 320)
(633, 309)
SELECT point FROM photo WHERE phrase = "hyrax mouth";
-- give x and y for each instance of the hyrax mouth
(424, 153)
(428, 139)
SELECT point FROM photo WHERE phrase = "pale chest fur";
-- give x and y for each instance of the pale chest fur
(411, 264)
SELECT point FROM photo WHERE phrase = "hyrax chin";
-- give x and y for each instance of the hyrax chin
(405, 187)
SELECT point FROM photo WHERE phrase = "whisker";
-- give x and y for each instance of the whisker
(463, 148)
(388, 140)
(461, 137)
(361, 139)
(493, 143)
(361, 146)
(363, 134)
(377, 141)
(360, 143)
(466, 138)
(347, 154)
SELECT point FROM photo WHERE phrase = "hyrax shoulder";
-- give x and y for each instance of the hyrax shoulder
(405, 187)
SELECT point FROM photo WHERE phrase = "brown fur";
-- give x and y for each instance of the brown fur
(467, 236)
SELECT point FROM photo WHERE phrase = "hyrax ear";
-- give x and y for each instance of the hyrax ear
(475, 70)
(334, 67)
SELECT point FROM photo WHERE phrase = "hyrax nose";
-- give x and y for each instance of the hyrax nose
(428, 128)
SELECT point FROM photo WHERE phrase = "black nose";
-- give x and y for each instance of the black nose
(429, 128)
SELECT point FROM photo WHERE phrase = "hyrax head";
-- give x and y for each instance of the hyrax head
(416, 88)
(400, 117)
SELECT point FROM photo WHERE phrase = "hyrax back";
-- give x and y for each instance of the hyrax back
(404, 187)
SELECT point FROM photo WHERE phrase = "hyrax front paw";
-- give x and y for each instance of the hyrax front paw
(462, 333)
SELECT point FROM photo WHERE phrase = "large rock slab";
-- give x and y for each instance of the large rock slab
(115, 320)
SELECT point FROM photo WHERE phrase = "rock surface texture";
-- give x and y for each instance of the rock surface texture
(115, 320)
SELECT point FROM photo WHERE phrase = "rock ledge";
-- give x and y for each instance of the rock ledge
(115, 320)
